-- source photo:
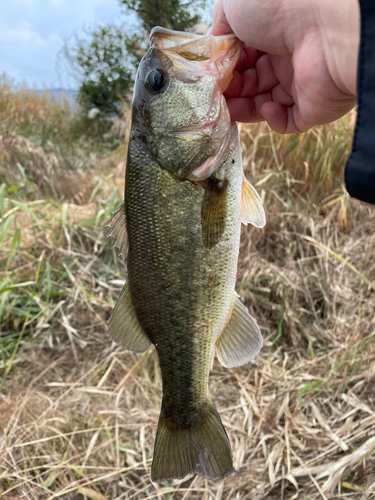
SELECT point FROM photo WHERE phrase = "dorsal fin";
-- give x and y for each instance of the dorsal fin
(118, 232)
(252, 211)
(241, 339)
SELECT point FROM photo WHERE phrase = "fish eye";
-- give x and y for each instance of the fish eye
(157, 80)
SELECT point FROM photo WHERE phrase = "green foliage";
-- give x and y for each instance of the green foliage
(105, 64)
(176, 14)
(105, 69)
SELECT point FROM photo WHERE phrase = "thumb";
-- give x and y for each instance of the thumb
(259, 23)
(220, 25)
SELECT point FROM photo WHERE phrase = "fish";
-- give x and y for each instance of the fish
(179, 230)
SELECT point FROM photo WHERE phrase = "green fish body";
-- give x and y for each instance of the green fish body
(183, 226)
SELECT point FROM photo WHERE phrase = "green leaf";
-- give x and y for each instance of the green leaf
(95, 190)
(79, 471)
(22, 170)
(2, 196)
(14, 247)
(13, 188)
(6, 288)
(5, 226)
(26, 209)
(47, 279)
(64, 210)
(87, 222)
(280, 322)
(51, 478)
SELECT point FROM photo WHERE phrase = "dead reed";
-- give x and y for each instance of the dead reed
(79, 413)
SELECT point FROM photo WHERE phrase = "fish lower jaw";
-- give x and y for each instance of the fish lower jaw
(212, 163)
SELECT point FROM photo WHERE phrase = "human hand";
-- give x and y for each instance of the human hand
(299, 65)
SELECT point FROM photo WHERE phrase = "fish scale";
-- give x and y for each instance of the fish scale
(185, 197)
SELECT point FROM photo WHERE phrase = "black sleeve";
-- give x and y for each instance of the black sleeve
(360, 167)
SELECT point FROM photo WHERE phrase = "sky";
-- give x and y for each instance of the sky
(32, 33)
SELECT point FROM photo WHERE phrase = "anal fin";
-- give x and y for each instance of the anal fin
(118, 232)
(252, 211)
(241, 340)
(124, 327)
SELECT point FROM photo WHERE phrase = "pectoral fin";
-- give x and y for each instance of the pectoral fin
(214, 211)
(124, 327)
(241, 339)
(118, 232)
(252, 211)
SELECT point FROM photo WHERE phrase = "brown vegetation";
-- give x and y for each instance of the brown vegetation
(79, 414)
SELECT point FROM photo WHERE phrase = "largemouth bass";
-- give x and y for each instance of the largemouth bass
(185, 199)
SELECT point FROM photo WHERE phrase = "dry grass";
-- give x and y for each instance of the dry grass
(79, 413)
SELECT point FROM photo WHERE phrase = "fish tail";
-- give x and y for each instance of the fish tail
(202, 448)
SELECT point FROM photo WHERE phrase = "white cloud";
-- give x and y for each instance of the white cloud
(33, 31)
(22, 36)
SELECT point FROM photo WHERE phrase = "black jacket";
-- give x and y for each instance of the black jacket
(360, 167)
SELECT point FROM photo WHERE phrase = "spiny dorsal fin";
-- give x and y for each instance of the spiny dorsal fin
(214, 211)
(252, 211)
(124, 327)
(118, 232)
(241, 339)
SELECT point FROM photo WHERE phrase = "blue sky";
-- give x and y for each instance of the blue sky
(33, 31)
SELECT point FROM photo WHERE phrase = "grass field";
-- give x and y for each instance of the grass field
(78, 414)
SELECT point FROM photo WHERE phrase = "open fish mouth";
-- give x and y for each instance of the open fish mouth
(194, 56)
(219, 52)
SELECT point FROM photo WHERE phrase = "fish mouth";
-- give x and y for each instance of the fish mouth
(218, 138)
(205, 170)
(217, 55)
(194, 55)
(217, 132)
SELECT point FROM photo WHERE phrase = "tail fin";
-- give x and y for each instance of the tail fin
(201, 449)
